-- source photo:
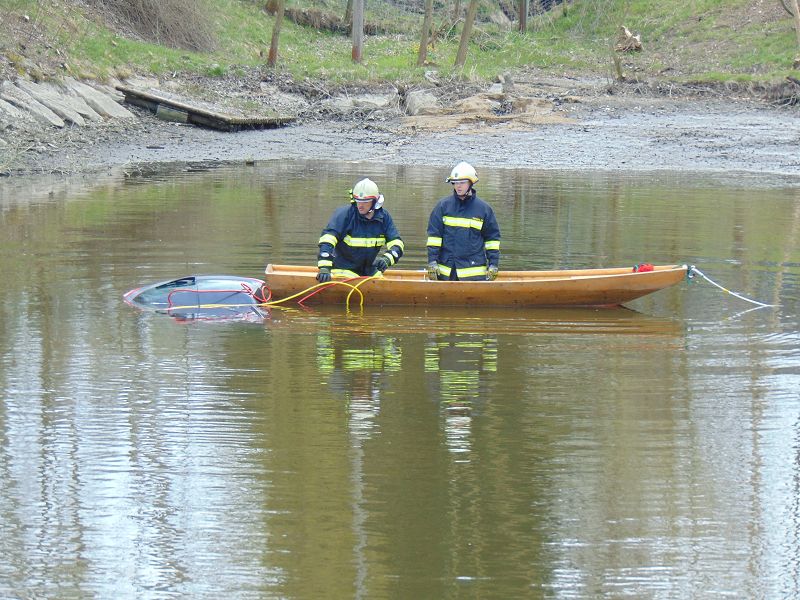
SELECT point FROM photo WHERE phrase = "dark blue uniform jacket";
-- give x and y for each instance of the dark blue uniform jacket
(463, 235)
(350, 242)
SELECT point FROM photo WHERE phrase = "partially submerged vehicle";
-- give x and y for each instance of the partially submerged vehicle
(209, 297)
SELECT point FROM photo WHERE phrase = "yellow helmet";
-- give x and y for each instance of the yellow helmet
(365, 190)
(461, 172)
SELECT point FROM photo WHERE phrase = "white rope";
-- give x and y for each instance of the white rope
(694, 270)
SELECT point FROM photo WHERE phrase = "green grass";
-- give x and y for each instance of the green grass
(698, 40)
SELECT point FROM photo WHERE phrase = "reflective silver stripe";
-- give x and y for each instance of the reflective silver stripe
(492, 245)
(434, 241)
(390, 257)
(324, 263)
(364, 242)
(474, 222)
(328, 239)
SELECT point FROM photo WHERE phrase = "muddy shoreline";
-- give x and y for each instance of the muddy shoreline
(592, 127)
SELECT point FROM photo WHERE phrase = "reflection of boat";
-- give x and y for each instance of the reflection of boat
(583, 287)
(201, 297)
(460, 320)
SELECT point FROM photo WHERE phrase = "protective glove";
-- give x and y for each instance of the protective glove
(324, 275)
(380, 263)
(433, 270)
(491, 273)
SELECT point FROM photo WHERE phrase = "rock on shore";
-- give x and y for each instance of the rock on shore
(55, 104)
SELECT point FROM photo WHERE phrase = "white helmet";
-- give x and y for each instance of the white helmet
(463, 171)
(366, 190)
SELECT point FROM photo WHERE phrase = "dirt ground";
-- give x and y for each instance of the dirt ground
(580, 124)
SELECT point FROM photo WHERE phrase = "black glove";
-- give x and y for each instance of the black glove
(380, 263)
(324, 275)
(433, 270)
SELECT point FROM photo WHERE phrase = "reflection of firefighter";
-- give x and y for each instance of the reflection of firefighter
(354, 366)
(460, 363)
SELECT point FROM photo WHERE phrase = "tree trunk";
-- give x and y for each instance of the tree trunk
(358, 30)
(461, 57)
(348, 12)
(796, 15)
(276, 32)
(456, 10)
(523, 16)
(426, 33)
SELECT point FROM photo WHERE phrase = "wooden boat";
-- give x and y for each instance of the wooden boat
(583, 287)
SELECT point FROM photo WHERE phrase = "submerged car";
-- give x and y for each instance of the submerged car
(203, 297)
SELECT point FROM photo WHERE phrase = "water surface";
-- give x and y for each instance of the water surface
(646, 451)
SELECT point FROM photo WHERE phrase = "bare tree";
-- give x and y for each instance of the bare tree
(456, 10)
(358, 30)
(426, 33)
(796, 14)
(276, 32)
(472, 10)
(348, 12)
(523, 15)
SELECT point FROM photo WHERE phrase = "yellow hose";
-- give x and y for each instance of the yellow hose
(313, 287)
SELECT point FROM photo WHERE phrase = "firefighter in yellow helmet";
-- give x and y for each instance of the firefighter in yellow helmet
(463, 235)
(351, 243)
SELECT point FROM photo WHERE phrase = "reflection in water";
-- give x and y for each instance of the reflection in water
(462, 367)
(355, 367)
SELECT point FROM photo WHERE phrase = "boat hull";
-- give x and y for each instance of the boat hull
(583, 287)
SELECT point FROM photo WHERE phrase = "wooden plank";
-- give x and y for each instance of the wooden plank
(198, 115)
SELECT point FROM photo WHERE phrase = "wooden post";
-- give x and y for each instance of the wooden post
(426, 33)
(276, 32)
(358, 30)
(523, 16)
(461, 57)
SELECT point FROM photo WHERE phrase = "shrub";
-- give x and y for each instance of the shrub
(174, 23)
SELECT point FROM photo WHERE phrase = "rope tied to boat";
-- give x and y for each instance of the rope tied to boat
(691, 271)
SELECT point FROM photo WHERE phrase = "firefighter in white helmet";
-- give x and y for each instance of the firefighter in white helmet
(351, 243)
(463, 235)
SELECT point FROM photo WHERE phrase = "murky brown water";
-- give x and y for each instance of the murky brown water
(420, 453)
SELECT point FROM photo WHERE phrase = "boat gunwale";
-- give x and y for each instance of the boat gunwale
(505, 277)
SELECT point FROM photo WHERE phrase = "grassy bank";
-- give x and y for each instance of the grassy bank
(702, 40)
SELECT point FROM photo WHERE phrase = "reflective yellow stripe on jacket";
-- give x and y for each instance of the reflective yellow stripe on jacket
(357, 242)
(344, 274)
(465, 272)
(392, 256)
(328, 238)
(473, 222)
